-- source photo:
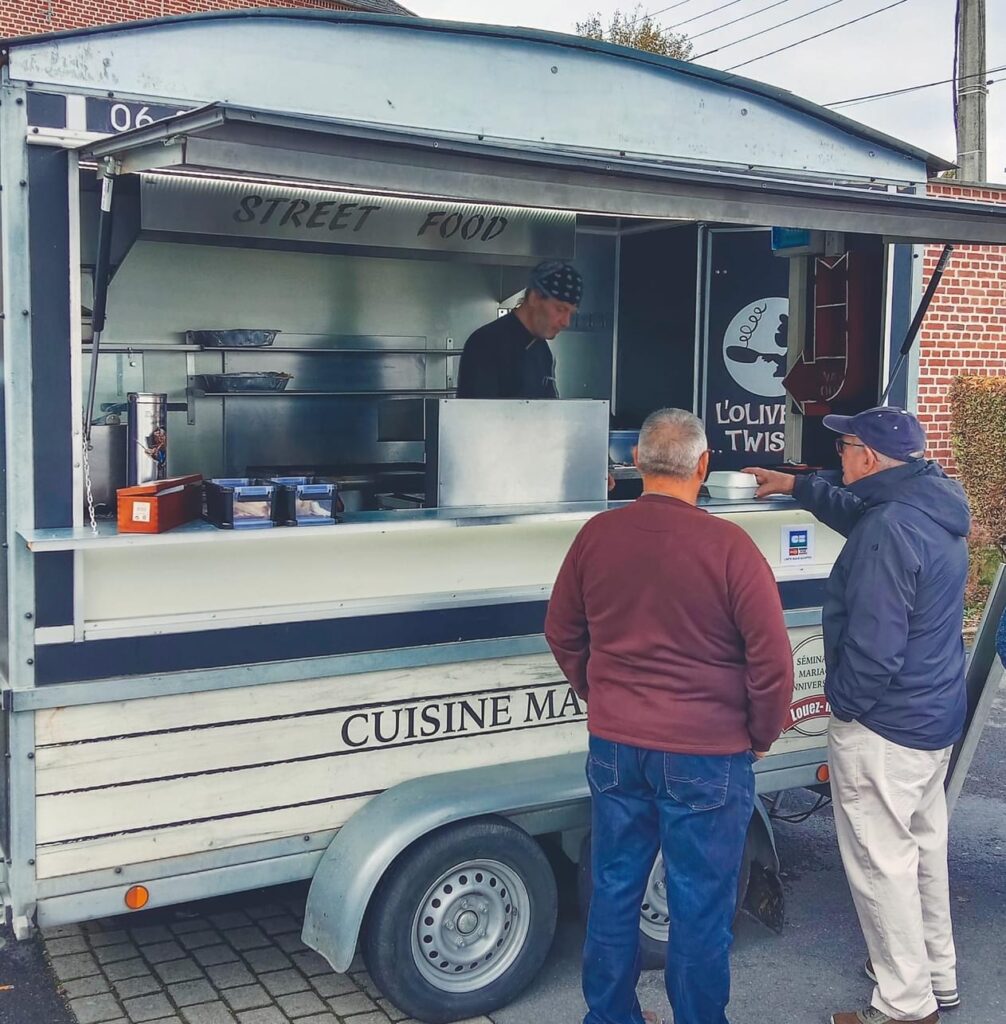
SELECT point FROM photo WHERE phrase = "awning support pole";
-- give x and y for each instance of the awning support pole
(101, 280)
(913, 330)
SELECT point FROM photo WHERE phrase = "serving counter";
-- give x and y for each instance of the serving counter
(199, 578)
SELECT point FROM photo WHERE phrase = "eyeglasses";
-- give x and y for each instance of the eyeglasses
(841, 443)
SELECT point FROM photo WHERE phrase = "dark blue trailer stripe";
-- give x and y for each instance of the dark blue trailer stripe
(54, 588)
(216, 648)
(46, 110)
(49, 255)
(802, 593)
(219, 648)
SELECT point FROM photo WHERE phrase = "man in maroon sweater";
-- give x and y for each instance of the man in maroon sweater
(667, 620)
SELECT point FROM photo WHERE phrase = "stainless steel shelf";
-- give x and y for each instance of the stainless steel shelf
(446, 393)
(265, 349)
(118, 347)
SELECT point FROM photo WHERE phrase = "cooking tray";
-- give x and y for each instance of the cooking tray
(245, 381)
(243, 338)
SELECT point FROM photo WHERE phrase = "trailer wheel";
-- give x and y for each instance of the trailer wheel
(461, 922)
(654, 921)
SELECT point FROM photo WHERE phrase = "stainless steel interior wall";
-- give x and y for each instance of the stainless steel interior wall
(334, 311)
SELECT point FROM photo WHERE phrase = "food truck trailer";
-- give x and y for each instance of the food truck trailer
(197, 212)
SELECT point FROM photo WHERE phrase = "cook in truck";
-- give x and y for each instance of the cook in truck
(892, 621)
(510, 357)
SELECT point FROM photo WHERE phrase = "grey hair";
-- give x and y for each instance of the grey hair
(671, 442)
(886, 462)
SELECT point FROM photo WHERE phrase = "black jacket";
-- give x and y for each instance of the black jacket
(894, 603)
(504, 360)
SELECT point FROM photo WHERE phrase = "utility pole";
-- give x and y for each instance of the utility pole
(971, 91)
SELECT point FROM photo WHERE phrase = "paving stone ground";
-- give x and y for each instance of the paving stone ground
(237, 960)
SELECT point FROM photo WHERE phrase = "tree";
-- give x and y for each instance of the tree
(639, 31)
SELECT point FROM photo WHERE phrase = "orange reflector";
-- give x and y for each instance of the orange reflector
(137, 897)
(823, 775)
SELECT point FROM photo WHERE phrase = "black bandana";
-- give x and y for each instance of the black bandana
(557, 280)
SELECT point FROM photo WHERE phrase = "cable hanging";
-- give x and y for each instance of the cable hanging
(727, 24)
(772, 28)
(705, 14)
(912, 88)
(664, 10)
(817, 35)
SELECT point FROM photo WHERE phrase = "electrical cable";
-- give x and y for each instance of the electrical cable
(772, 28)
(705, 14)
(818, 35)
(744, 17)
(910, 88)
(796, 819)
(663, 10)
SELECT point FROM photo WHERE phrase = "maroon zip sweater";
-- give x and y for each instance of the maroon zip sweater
(668, 621)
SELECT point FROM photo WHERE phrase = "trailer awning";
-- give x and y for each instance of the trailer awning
(228, 141)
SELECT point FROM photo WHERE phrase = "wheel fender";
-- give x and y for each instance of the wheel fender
(764, 898)
(762, 838)
(374, 836)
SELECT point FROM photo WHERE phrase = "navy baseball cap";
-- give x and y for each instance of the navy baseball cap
(557, 280)
(886, 429)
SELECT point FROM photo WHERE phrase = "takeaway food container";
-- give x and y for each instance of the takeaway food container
(240, 503)
(731, 485)
(305, 501)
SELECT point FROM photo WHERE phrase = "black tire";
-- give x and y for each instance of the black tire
(653, 951)
(461, 874)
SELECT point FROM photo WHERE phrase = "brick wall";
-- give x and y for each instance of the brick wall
(28, 17)
(965, 329)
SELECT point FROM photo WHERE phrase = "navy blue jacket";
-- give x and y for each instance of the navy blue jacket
(1001, 639)
(894, 603)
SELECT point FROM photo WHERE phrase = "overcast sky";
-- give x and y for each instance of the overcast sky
(910, 44)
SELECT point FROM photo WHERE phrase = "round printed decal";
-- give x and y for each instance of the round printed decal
(754, 347)
(810, 711)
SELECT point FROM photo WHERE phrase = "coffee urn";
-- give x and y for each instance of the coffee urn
(147, 441)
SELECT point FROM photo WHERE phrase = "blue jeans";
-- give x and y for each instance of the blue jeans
(696, 810)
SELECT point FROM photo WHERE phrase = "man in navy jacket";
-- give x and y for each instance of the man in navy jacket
(892, 621)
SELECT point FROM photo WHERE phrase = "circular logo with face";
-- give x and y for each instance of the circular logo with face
(754, 347)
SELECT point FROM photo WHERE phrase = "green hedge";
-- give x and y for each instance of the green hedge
(978, 436)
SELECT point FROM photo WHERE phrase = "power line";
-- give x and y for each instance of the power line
(827, 31)
(663, 10)
(743, 17)
(771, 28)
(705, 14)
(909, 88)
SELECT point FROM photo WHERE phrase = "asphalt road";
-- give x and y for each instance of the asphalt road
(28, 993)
(802, 976)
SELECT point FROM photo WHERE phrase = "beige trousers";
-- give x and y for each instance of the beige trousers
(891, 820)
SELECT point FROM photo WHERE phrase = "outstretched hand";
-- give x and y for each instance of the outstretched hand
(771, 481)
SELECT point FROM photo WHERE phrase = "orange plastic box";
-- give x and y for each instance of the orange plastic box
(160, 505)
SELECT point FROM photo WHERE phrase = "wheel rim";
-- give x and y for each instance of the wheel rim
(471, 925)
(654, 921)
